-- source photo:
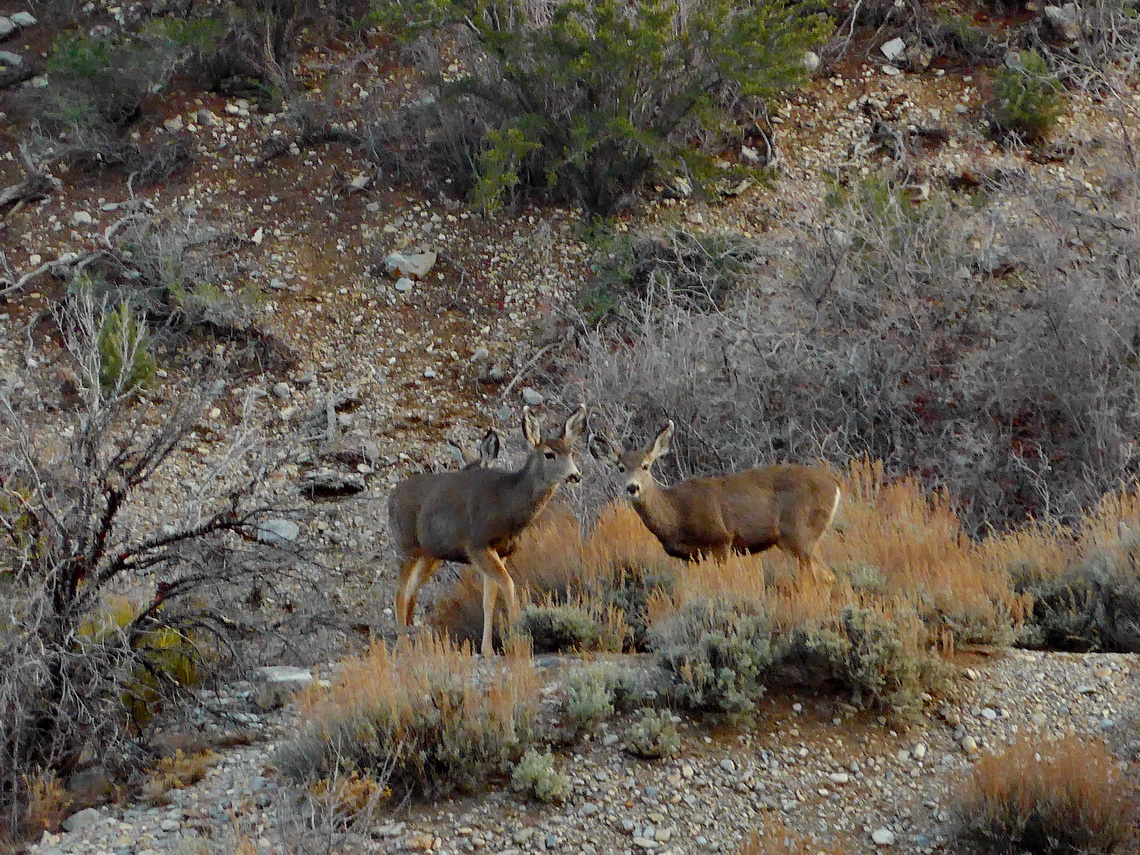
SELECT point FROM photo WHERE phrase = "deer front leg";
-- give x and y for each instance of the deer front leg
(490, 595)
(405, 584)
(496, 575)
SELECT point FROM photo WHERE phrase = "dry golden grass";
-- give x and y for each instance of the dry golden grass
(48, 802)
(177, 772)
(1067, 797)
(424, 717)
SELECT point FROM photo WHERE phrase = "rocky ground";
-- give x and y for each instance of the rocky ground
(810, 763)
(448, 355)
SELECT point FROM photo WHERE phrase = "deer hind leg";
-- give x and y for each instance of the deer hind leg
(495, 579)
(415, 570)
(810, 565)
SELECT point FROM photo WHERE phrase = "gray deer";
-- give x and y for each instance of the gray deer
(475, 516)
(784, 505)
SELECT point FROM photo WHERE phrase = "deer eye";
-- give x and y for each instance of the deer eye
(549, 454)
(645, 466)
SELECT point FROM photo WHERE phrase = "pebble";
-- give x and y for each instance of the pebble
(883, 837)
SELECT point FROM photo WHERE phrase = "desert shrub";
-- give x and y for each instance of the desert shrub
(878, 658)
(77, 487)
(535, 777)
(421, 715)
(554, 628)
(1028, 99)
(1060, 798)
(700, 270)
(1093, 605)
(594, 96)
(715, 654)
(47, 803)
(589, 698)
(654, 735)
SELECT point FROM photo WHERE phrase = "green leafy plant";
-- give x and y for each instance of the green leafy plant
(535, 776)
(597, 96)
(1028, 99)
(125, 358)
(653, 736)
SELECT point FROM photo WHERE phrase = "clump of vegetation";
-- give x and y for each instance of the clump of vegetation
(555, 628)
(593, 97)
(1059, 798)
(176, 772)
(699, 270)
(79, 667)
(351, 796)
(716, 654)
(596, 692)
(535, 776)
(879, 658)
(421, 716)
(127, 359)
(653, 736)
(1028, 99)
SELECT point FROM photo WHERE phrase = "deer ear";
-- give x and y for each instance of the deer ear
(602, 449)
(489, 447)
(662, 442)
(457, 452)
(575, 425)
(532, 430)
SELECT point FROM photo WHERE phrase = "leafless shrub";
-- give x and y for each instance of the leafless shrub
(114, 596)
(991, 349)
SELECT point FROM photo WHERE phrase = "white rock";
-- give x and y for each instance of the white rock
(404, 284)
(891, 71)
(1065, 20)
(81, 218)
(282, 390)
(811, 61)
(531, 397)
(24, 19)
(413, 266)
(883, 837)
(360, 181)
(969, 744)
(919, 751)
(6, 27)
(9, 58)
(276, 684)
(893, 49)
(208, 119)
(277, 531)
(174, 124)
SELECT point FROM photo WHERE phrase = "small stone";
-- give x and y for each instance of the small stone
(208, 118)
(9, 58)
(282, 390)
(589, 809)
(840, 778)
(531, 397)
(6, 27)
(1039, 718)
(883, 837)
(81, 218)
(989, 714)
(1064, 20)
(891, 71)
(24, 19)
(644, 843)
(811, 61)
(969, 744)
(728, 765)
(404, 284)
(174, 124)
(919, 752)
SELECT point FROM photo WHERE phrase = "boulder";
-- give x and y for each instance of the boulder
(275, 685)
(411, 265)
(1065, 21)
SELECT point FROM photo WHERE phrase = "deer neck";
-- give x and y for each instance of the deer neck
(656, 511)
(529, 495)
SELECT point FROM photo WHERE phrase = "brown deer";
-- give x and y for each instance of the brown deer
(475, 516)
(785, 506)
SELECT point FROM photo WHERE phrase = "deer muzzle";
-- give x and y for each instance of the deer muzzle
(574, 478)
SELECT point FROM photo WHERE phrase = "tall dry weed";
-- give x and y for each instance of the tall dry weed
(425, 717)
(1062, 798)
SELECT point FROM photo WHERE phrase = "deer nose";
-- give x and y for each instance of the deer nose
(574, 478)
(631, 489)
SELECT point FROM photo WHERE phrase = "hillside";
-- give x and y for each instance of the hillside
(874, 271)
